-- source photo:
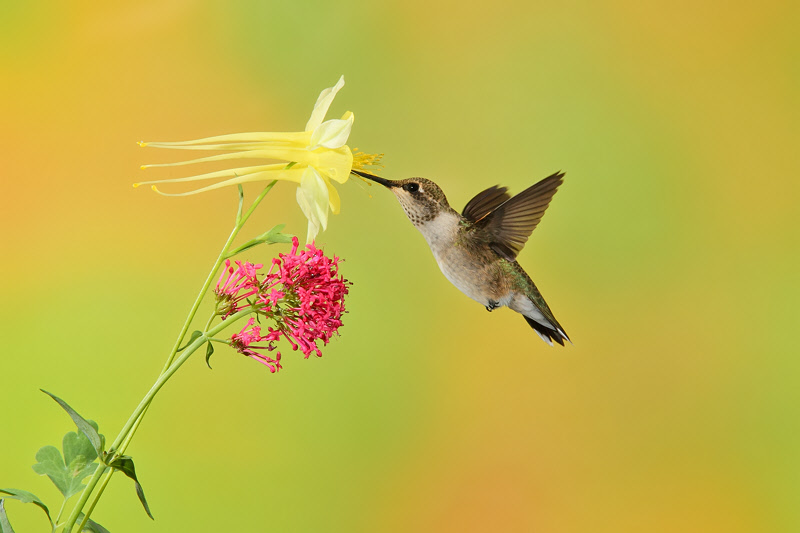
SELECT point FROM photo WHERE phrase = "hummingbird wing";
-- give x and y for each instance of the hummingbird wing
(511, 223)
(485, 202)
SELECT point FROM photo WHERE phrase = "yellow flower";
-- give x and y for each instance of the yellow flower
(319, 153)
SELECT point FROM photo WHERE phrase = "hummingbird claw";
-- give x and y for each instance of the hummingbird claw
(492, 305)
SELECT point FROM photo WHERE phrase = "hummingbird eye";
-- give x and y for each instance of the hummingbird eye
(411, 187)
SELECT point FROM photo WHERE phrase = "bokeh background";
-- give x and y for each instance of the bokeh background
(670, 256)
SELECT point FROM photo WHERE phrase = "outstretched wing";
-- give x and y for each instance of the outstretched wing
(511, 223)
(485, 202)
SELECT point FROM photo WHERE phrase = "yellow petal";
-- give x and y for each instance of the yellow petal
(315, 192)
(258, 136)
(242, 171)
(285, 153)
(323, 103)
(310, 213)
(293, 174)
(311, 234)
(332, 164)
(333, 198)
(301, 143)
(332, 133)
(305, 205)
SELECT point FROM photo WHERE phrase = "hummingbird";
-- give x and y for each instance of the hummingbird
(477, 249)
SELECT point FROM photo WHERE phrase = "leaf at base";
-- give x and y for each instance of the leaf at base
(209, 353)
(66, 479)
(91, 526)
(195, 335)
(124, 463)
(78, 449)
(28, 497)
(83, 425)
(5, 525)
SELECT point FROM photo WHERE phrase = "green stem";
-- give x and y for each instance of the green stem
(60, 512)
(73, 516)
(210, 320)
(113, 451)
(240, 221)
(171, 370)
(96, 498)
(125, 436)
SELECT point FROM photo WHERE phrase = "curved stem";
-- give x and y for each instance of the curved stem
(240, 221)
(134, 418)
(125, 436)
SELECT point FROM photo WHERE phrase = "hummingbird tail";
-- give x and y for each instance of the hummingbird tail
(547, 334)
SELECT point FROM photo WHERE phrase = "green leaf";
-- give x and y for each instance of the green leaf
(195, 335)
(68, 472)
(86, 428)
(124, 463)
(91, 526)
(52, 465)
(209, 353)
(67, 481)
(78, 449)
(27, 497)
(5, 525)
(273, 236)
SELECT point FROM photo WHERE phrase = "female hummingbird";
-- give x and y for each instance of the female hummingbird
(477, 249)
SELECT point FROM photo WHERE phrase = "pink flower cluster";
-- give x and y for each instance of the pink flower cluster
(239, 284)
(244, 343)
(302, 293)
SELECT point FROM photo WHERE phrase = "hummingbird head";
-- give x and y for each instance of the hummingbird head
(422, 199)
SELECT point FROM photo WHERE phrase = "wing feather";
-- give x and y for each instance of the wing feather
(485, 202)
(511, 222)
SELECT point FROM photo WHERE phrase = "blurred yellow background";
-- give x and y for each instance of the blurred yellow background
(670, 256)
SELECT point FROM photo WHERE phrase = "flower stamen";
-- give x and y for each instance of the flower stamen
(364, 161)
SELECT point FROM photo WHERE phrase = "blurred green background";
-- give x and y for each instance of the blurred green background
(670, 256)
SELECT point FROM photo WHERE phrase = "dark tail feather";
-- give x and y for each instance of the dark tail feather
(548, 334)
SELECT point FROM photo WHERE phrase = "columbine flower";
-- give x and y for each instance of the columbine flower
(311, 303)
(320, 154)
(244, 343)
(235, 285)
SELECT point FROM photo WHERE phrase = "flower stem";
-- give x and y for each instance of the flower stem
(114, 450)
(125, 436)
(96, 498)
(240, 221)
(60, 512)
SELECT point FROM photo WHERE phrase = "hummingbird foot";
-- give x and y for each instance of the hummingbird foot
(492, 305)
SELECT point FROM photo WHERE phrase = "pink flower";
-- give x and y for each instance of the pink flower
(310, 304)
(244, 343)
(302, 293)
(239, 284)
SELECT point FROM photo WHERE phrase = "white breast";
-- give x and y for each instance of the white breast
(453, 261)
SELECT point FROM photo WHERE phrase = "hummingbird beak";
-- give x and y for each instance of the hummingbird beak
(376, 179)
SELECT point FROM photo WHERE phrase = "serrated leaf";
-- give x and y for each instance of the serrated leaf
(195, 335)
(5, 525)
(91, 526)
(124, 463)
(209, 353)
(28, 497)
(84, 426)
